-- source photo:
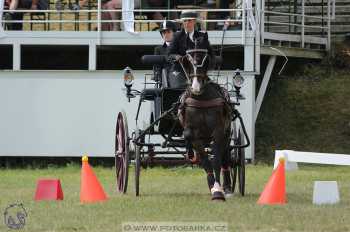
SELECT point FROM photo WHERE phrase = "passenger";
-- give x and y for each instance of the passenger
(167, 30)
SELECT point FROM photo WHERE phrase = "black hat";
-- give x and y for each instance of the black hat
(168, 25)
(188, 14)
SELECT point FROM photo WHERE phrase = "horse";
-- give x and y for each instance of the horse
(206, 118)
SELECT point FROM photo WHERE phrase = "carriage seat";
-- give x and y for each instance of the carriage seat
(151, 94)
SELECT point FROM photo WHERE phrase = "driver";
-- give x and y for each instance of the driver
(186, 38)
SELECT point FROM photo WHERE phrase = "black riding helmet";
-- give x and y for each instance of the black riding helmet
(167, 25)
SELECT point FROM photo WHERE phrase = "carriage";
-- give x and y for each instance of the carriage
(142, 149)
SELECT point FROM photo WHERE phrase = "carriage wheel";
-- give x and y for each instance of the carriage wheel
(122, 152)
(241, 164)
(234, 165)
(234, 170)
(137, 165)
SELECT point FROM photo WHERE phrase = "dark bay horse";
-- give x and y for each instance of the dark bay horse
(206, 118)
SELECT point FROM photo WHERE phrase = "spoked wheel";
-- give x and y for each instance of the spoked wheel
(234, 166)
(137, 165)
(241, 164)
(238, 162)
(122, 152)
(234, 176)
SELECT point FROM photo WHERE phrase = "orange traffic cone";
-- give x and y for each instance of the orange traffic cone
(91, 189)
(275, 189)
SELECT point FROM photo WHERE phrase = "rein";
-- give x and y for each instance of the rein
(182, 66)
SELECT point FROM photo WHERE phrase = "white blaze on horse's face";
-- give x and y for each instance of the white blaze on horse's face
(196, 86)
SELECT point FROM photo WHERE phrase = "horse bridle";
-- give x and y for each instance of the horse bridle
(193, 63)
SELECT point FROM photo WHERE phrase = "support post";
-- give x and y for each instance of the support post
(328, 25)
(92, 57)
(302, 23)
(249, 93)
(16, 57)
(262, 22)
(257, 35)
(99, 5)
(243, 23)
(263, 87)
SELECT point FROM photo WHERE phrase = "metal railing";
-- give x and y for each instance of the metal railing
(301, 24)
(98, 19)
(242, 22)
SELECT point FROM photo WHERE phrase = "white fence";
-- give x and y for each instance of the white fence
(293, 157)
(69, 113)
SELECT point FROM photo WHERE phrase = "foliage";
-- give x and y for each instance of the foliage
(340, 56)
(308, 111)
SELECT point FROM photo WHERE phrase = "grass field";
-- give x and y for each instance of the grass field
(177, 194)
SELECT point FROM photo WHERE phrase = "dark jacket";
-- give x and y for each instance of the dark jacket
(157, 69)
(161, 49)
(181, 43)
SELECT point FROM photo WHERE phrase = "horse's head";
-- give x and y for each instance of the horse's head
(196, 63)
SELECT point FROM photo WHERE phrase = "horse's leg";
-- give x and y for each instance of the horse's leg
(206, 164)
(226, 155)
(217, 149)
(188, 135)
(225, 168)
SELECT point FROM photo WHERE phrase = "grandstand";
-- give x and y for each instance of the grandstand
(61, 45)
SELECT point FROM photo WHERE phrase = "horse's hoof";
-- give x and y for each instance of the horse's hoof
(217, 192)
(218, 195)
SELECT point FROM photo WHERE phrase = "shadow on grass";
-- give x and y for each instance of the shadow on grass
(176, 195)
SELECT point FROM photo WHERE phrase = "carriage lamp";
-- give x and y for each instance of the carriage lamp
(238, 80)
(128, 81)
(128, 77)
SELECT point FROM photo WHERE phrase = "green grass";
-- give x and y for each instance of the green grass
(177, 194)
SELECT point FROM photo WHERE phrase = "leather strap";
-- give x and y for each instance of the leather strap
(191, 102)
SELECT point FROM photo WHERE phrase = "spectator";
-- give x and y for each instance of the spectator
(111, 5)
(117, 4)
(76, 5)
(24, 4)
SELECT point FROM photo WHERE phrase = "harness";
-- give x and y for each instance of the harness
(191, 102)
